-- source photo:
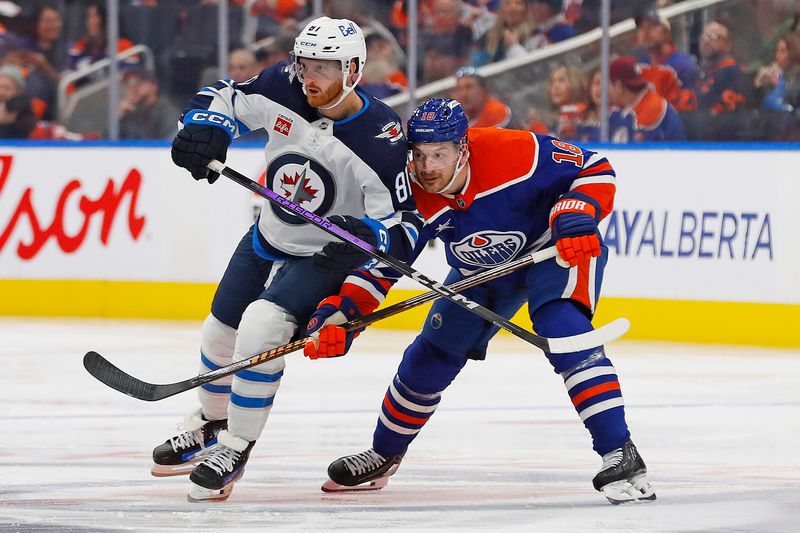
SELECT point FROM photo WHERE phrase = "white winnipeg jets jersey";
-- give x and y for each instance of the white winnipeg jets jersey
(354, 166)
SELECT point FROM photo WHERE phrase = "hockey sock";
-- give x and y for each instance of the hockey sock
(589, 376)
(403, 414)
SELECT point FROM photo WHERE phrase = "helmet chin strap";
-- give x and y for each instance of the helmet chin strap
(459, 166)
(345, 89)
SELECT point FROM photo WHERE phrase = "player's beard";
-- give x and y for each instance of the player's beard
(327, 97)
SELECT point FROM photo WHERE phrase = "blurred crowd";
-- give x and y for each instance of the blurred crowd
(734, 75)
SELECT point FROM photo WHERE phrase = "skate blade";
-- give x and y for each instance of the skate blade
(634, 490)
(375, 484)
(198, 494)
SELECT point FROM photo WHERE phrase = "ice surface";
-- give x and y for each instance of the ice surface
(719, 428)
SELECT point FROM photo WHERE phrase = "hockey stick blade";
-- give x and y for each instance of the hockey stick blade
(107, 373)
(591, 339)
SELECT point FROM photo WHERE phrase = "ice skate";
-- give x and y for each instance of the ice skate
(623, 476)
(213, 478)
(180, 454)
(367, 470)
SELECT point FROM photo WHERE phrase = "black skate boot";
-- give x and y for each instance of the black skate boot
(623, 476)
(179, 455)
(213, 478)
(367, 470)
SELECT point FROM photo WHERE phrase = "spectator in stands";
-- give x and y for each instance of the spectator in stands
(9, 38)
(17, 120)
(483, 111)
(276, 52)
(479, 15)
(46, 39)
(446, 44)
(93, 47)
(723, 90)
(143, 112)
(661, 49)
(587, 125)
(382, 74)
(242, 65)
(566, 92)
(642, 115)
(770, 81)
(276, 16)
(512, 28)
(778, 89)
(398, 18)
(41, 56)
(550, 26)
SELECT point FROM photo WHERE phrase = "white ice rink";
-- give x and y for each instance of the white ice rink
(718, 427)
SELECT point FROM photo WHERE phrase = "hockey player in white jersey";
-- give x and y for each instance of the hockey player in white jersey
(337, 152)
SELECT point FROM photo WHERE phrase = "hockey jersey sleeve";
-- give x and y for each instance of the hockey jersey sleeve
(571, 168)
(368, 287)
(247, 103)
(388, 200)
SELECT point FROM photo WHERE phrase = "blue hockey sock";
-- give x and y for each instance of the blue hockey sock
(590, 378)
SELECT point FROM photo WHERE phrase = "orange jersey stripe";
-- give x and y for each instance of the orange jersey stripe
(400, 416)
(603, 193)
(594, 391)
(596, 169)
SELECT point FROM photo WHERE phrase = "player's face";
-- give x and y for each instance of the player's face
(434, 164)
(322, 80)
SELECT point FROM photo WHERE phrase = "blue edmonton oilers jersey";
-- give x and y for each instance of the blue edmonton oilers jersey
(503, 212)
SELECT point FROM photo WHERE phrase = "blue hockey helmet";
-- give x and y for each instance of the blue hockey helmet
(438, 120)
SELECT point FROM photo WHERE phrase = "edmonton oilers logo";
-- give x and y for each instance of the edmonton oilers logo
(488, 248)
(303, 181)
(436, 320)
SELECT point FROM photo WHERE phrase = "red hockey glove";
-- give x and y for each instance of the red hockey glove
(573, 222)
(328, 338)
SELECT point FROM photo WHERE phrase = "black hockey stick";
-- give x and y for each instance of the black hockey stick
(99, 367)
(570, 344)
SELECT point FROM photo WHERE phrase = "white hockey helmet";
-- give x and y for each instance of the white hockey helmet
(332, 39)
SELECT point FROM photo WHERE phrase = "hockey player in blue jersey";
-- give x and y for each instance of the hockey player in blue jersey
(492, 195)
(336, 151)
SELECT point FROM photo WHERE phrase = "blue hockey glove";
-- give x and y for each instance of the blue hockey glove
(328, 338)
(206, 135)
(573, 221)
(341, 257)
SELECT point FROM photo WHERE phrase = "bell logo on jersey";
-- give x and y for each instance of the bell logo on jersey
(488, 248)
(391, 131)
(283, 125)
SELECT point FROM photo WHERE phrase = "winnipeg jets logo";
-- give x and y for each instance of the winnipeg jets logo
(444, 226)
(391, 131)
(488, 248)
(303, 181)
(297, 188)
